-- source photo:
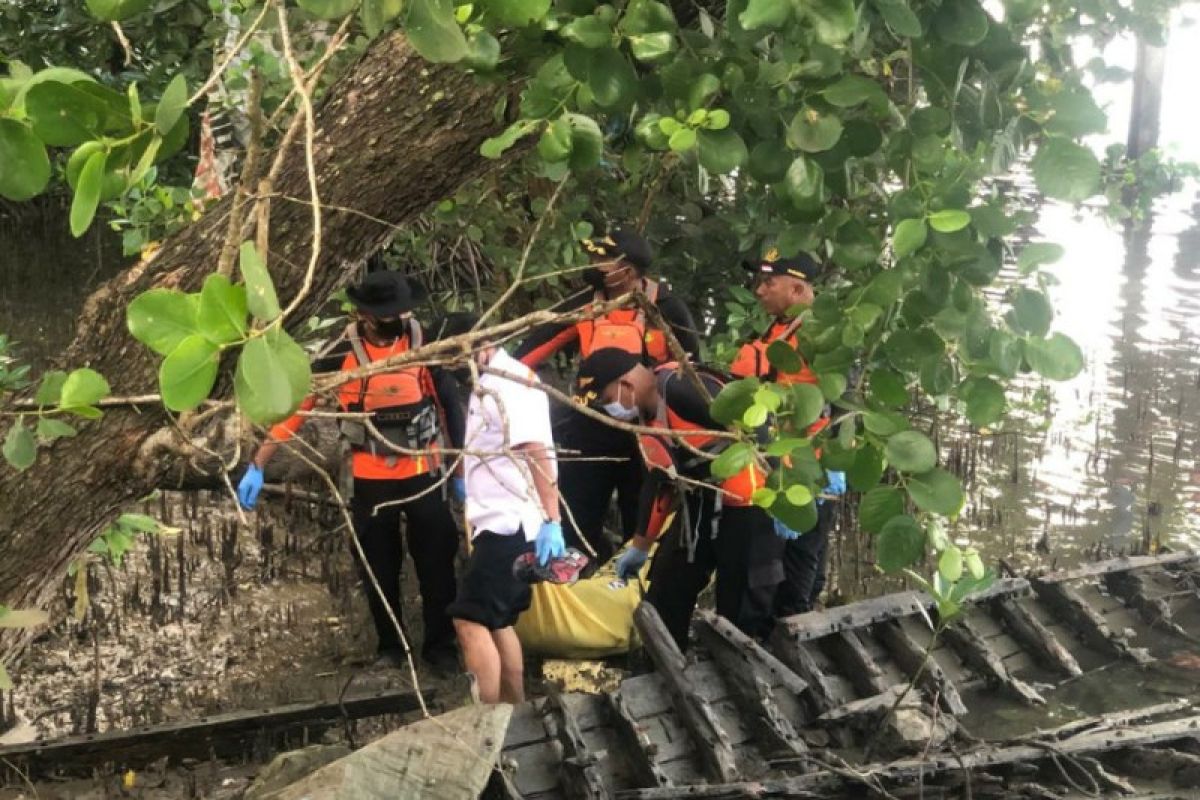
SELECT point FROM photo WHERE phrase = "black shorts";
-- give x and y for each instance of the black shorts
(488, 593)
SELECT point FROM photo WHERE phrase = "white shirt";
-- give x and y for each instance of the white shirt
(501, 415)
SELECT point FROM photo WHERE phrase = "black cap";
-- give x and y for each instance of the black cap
(801, 265)
(599, 370)
(383, 294)
(621, 243)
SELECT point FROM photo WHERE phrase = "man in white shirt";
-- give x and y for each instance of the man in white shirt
(512, 509)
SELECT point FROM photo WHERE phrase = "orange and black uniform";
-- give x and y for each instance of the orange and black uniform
(586, 486)
(410, 407)
(804, 557)
(717, 530)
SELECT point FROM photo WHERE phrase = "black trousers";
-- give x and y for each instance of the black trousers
(745, 555)
(432, 540)
(804, 567)
(586, 486)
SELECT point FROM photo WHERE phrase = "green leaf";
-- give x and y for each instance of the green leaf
(49, 429)
(610, 76)
(171, 106)
(985, 401)
(20, 448)
(434, 33)
(1075, 114)
(901, 544)
(961, 22)
(554, 145)
(116, 10)
(937, 376)
(937, 491)
(911, 451)
(799, 518)
(974, 564)
(783, 357)
(261, 384)
(376, 14)
(1038, 253)
(162, 318)
(907, 350)
(650, 47)
(755, 415)
(1066, 171)
(833, 385)
(495, 146)
(682, 140)
(722, 151)
(83, 387)
(589, 31)
(879, 506)
(517, 13)
(799, 495)
(1031, 312)
(909, 237)
(764, 497)
(834, 20)
(260, 291)
(647, 16)
(885, 423)
(732, 401)
(587, 142)
(483, 51)
(867, 469)
(804, 180)
(949, 220)
(24, 165)
(1057, 358)
(222, 316)
(765, 14)
(812, 131)
(140, 523)
(733, 460)
(87, 193)
(62, 115)
(807, 404)
(851, 90)
(888, 387)
(899, 17)
(950, 564)
(51, 388)
(295, 364)
(328, 9)
(186, 376)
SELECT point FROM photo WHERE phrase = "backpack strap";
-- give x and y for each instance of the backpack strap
(362, 359)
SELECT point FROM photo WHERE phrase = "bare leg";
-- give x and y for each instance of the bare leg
(482, 657)
(512, 667)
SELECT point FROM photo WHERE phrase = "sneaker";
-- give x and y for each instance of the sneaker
(391, 658)
(563, 570)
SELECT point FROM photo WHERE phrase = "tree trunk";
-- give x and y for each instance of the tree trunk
(1145, 112)
(393, 135)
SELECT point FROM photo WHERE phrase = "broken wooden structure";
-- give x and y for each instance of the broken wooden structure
(825, 708)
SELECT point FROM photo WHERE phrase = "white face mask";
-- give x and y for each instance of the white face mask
(619, 410)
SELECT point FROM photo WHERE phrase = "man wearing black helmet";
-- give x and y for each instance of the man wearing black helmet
(394, 460)
(595, 460)
(784, 287)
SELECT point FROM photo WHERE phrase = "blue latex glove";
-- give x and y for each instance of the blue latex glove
(458, 488)
(549, 543)
(249, 487)
(837, 482)
(784, 532)
(630, 563)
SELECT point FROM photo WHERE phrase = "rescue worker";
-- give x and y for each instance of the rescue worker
(784, 286)
(598, 459)
(396, 475)
(715, 527)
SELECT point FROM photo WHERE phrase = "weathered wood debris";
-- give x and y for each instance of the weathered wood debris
(825, 710)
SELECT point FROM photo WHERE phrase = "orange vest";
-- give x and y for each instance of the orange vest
(624, 329)
(735, 490)
(751, 362)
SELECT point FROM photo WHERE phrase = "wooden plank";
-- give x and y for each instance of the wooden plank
(716, 751)
(915, 661)
(794, 652)
(1065, 601)
(718, 633)
(640, 748)
(225, 734)
(1004, 587)
(851, 654)
(751, 671)
(1134, 590)
(580, 767)
(1036, 637)
(1115, 565)
(962, 637)
(816, 624)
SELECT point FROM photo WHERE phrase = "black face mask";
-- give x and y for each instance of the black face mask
(391, 328)
(594, 278)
